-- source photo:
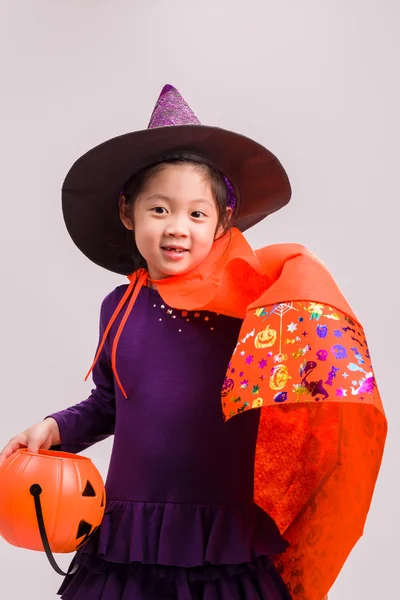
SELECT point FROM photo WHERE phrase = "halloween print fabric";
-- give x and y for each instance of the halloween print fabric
(298, 351)
(321, 436)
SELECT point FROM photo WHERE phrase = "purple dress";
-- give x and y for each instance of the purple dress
(180, 520)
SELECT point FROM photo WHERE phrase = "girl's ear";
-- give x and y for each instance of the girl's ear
(125, 212)
(220, 230)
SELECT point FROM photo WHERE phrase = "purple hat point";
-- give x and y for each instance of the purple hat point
(171, 109)
(167, 88)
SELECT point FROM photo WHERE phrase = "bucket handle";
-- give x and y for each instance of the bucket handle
(36, 490)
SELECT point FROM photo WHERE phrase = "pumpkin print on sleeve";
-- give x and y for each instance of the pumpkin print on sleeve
(298, 351)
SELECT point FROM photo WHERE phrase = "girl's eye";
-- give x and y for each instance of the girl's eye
(197, 214)
(159, 210)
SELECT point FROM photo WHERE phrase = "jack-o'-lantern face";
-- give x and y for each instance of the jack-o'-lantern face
(265, 338)
(279, 377)
(257, 403)
(72, 499)
(85, 529)
(227, 387)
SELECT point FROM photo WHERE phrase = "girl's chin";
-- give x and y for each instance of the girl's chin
(170, 273)
(162, 272)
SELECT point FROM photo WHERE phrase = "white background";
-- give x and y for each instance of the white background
(315, 81)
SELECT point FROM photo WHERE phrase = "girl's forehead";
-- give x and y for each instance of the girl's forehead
(178, 178)
(178, 171)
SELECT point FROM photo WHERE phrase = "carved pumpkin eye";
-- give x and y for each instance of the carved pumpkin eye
(89, 490)
(102, 500)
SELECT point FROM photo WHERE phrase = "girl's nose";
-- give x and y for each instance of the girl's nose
(177, 228)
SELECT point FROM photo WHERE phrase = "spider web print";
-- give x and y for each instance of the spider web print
(281, 309)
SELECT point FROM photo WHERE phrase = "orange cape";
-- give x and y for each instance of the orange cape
(302, 356)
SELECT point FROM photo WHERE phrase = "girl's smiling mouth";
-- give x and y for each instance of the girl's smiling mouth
(174, 252)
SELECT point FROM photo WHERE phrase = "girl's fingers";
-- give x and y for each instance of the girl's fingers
(12, 447)
(35, 437)
(34, 445)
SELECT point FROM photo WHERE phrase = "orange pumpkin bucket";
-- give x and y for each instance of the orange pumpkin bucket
(51, 501)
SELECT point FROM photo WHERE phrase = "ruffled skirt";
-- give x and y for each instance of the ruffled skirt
(250, 581)
(171, 551)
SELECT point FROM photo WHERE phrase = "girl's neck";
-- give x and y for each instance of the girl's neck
(151, 285)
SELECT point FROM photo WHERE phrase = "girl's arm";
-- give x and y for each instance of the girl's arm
(92, 420)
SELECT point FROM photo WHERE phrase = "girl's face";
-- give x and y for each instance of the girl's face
(174, 220)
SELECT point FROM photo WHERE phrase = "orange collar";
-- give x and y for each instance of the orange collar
(233, 279)
(218, 284)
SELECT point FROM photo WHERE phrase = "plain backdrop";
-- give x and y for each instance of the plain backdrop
(316, 81)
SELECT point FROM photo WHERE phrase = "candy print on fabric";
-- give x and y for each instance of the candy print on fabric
(303, 371)
(307, 366)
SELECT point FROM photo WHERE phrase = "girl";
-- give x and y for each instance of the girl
(197, 501)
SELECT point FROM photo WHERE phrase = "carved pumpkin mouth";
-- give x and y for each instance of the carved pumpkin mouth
(84, 529)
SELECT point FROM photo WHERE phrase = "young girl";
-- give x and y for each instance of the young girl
(198, 501)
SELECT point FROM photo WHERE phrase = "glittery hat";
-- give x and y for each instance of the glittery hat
(93, 185)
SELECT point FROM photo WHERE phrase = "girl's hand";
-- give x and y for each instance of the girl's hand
(42, 435)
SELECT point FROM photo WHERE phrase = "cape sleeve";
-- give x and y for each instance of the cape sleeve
(92, 420)
(303, 358)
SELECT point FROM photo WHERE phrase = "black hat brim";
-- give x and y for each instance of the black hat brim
(92, 187)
